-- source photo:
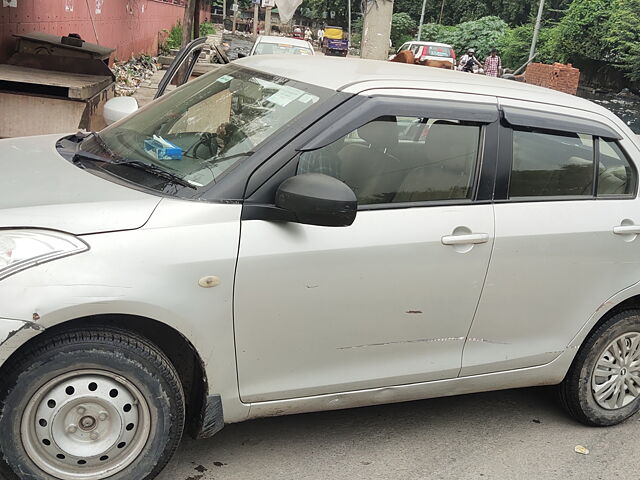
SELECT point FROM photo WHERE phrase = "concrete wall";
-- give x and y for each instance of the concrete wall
(130, 26)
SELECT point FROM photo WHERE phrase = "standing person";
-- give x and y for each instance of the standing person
(320, 36)
(307, 34)
(493, 64)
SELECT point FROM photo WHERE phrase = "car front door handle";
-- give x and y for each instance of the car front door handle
(467, 239)
(627, 230)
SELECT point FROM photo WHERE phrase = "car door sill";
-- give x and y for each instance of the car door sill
(547, 374)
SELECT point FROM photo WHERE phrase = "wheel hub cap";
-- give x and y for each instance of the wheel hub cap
(615, 381)
(85, 425)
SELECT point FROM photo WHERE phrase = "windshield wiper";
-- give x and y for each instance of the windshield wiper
(153, 169)
(219, 159)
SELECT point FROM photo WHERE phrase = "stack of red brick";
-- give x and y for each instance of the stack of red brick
(558, 76)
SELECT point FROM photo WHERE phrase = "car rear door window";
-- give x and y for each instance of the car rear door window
(616, 176)
(402, 159)
(551, 164)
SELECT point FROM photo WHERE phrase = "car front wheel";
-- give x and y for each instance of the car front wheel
(602, 386)
(90, 404)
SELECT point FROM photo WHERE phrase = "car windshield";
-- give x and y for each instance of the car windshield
(265, 48)
(202, 129)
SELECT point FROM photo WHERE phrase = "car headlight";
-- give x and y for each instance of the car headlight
(24, 248)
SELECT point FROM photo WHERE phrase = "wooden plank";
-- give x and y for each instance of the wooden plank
(79, 85)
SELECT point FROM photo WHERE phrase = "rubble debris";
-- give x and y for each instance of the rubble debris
(129, 75)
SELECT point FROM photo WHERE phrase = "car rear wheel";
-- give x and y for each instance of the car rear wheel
(90, 404)
(602, 386)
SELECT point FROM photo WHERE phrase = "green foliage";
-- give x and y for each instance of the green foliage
(174, 40)
(515, 45)
(207, 28)
(483, 35)
(579, 37)
(434, 32)
(623, 36)
(403, 28)
(513, 12)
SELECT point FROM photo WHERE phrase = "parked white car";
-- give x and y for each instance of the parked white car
(274, 45)
(429, 51)
(280, 237)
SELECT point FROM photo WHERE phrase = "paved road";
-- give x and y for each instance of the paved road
(517, 434)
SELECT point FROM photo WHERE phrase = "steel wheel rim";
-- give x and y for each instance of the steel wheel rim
(85, 425)
(615, 381)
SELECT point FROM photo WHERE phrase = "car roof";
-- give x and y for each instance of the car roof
(435, 44)
(357, 75)
(286, 40)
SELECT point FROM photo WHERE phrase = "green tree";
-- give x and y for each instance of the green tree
(623, 36)
(516, 43)
(403, 28)
(513, 12)
(434, 32)
(483, 34)
(580, 35)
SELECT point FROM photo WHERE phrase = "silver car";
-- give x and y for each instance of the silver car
(274, 45)
(279, 237)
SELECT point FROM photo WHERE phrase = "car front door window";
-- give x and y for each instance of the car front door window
(402, 159)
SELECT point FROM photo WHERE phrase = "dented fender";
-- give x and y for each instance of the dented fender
(603, 309)
(14, 333)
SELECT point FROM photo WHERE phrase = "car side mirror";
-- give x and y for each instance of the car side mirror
(318, 199)
(241, 55)
(119, 107)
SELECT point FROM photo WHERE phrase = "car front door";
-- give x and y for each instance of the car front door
(388, 300)
(567, 225)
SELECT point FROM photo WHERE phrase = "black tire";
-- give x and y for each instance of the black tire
(575, 391)
(100, 348)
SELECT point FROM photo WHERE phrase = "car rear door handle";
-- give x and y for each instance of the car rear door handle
(471, 238)
(627, 230)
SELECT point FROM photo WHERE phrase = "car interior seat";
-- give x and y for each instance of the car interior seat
(446, 170)
(369, 168)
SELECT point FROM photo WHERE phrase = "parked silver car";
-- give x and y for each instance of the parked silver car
(279, 237)
(274, 45)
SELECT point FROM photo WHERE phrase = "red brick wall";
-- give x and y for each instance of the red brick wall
(130, 26)
(558, 76)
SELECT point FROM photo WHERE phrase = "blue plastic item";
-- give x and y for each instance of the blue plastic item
(161, 149)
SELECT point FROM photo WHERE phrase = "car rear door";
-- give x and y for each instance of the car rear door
(388, 300)
(567, 224)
